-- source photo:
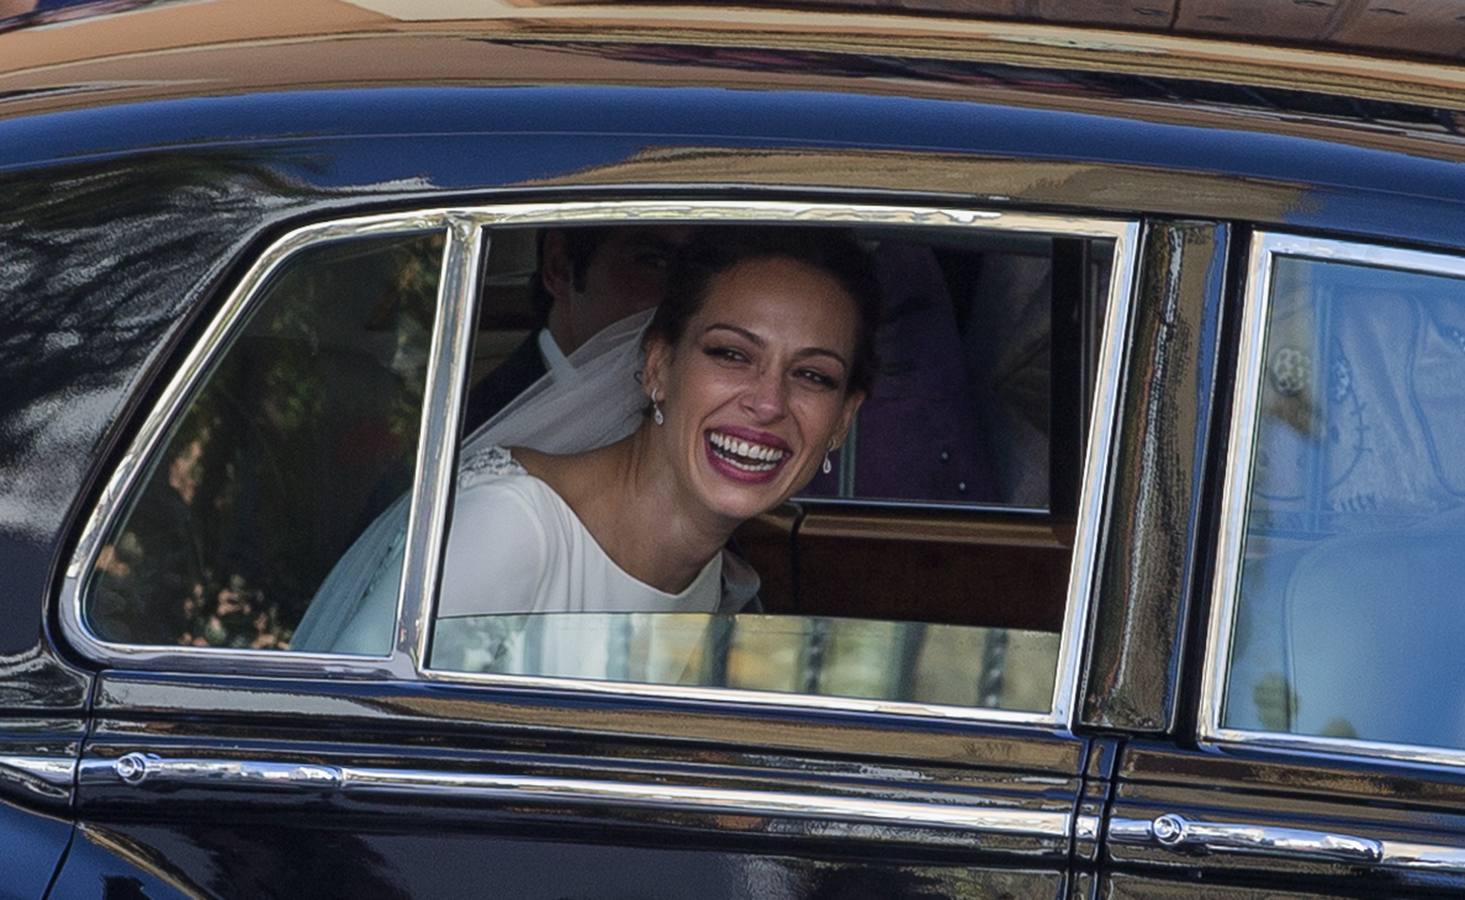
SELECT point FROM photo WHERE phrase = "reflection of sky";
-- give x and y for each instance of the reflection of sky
(467, 137)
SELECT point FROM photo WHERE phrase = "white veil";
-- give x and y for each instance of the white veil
(594, 401)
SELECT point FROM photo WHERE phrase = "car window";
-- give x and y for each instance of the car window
(967, 420)
(302, 432)
(278, 498)
(962, 412)
(1348, 608)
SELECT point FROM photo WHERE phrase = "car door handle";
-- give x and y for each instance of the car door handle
(1174, 832)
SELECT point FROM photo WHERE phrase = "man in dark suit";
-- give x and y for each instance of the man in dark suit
(587, 279)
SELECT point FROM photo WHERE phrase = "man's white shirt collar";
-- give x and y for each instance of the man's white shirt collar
(555, 361)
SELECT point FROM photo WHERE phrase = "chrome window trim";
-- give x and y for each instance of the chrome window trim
(171, 404)
(456, 297)
(1103, 421)
(1266, 247)
(437, 450)
(147, 771)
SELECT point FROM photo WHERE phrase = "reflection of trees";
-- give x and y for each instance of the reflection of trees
(304, 432)
(96, 263)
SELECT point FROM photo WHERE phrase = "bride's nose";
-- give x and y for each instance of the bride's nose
(766, 395)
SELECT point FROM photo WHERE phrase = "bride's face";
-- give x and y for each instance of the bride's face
(756, 391)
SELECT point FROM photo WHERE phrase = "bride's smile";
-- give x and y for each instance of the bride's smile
(756, 390)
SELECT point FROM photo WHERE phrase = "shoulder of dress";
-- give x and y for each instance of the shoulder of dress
(489, 462)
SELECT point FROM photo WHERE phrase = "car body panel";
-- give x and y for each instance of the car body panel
(1136, 657)
(145, 172)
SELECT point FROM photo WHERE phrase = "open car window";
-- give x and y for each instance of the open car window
(297, 492)
(934, 564)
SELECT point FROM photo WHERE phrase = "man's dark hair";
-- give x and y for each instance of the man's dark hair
(580, 246)
(716, 250)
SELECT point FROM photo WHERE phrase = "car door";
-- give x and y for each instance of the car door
(242, 766)
(1322, 750)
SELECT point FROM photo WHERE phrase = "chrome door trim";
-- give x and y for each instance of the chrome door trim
(38, 779)
(1184, 835)
(1250, 365)
(1424, 857)
(428, 509)
(449, 359)
(147, 771)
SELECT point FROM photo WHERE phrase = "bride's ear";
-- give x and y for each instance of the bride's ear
(653, 375)
(847, 416)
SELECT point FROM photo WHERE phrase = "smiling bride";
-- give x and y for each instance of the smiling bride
(754, 366)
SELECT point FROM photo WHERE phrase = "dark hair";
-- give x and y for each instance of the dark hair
(716, 250)
(580, 246)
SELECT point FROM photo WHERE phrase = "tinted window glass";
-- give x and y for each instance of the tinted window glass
(303, 432)
(1350, 610)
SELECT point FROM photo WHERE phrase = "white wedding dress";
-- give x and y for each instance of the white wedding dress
(491, 566)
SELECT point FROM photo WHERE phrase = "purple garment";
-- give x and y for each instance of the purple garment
(916, 437)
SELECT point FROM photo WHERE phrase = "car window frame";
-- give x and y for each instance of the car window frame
(468, 232)
(1267, 247)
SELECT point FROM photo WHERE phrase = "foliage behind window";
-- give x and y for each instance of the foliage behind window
(303, 432)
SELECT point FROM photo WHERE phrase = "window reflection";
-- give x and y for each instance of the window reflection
(1350, 607)
(992, 668)
(304, 430)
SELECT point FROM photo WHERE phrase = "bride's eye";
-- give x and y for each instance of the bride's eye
(818, 378)
(726, 354)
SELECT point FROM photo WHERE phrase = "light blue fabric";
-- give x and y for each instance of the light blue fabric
(356, 607)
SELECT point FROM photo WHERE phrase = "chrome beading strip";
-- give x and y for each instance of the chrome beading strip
(147, 771)
(1086, 828)
(46, 779)
(413, 628)
(1414, 857)
(448, 360)
(1266, 248)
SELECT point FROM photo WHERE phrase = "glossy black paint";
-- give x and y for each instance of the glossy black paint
(35, 814)
(448, 728)
(312, 861)
(127, 214)
(1290, 790)
(1133, 677)
(34, 846)
(428, 709)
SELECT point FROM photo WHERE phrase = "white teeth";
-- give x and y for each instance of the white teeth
(754, 457)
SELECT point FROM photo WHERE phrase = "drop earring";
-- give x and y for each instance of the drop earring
(656, 415)
(828, 466)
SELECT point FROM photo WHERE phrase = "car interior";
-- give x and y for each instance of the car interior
(953, 499)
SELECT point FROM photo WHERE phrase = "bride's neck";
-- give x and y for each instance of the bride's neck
(632, 502)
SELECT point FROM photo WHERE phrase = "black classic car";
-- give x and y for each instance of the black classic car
(1142, 571)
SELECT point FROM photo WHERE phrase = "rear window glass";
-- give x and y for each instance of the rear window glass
(302, 433)
(1349, 611)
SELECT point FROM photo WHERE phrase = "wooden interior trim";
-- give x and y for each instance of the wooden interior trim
(985, 529)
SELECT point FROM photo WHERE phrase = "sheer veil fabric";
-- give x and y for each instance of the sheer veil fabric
(595, 401)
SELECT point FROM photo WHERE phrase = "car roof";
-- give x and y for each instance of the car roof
(121, 47)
